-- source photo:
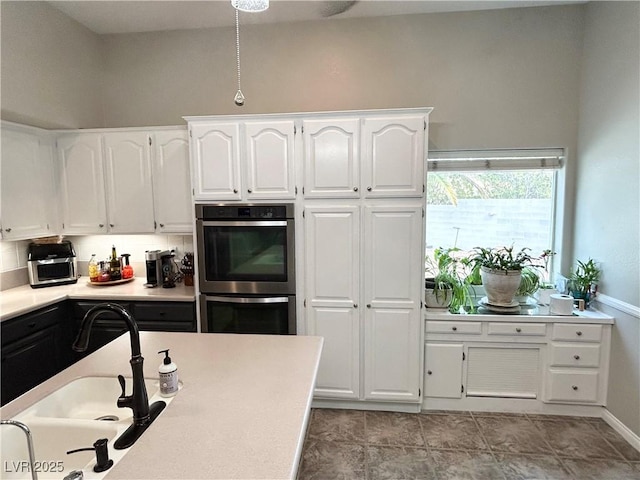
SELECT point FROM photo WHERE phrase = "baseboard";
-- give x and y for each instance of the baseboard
(618, 305)
(621, 428)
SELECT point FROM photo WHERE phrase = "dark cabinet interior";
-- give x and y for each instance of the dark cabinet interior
(37, 345)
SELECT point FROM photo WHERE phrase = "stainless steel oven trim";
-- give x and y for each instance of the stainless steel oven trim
(290, 300)
(244, 223)
(240, 287)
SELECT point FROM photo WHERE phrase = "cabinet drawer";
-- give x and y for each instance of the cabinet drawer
(575, 355)
(28, 324)
(474, 328)
(575, 332)
(503, 328)
(81, 308)
(573, 386)
(169, 311)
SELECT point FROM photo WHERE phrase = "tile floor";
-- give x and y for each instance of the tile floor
(354, 444)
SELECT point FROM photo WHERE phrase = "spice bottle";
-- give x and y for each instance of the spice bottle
(93, 268)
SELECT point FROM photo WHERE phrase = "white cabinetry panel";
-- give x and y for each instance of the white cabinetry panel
(573, 386)
(128, 176)
(171, 183)
(84, 208)
(332, 157)
(443, 370)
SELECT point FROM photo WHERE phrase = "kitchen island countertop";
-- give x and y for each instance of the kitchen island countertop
(241, 414)
(24, 299)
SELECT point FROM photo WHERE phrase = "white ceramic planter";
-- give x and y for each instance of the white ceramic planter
(439, 299)
(500, 285)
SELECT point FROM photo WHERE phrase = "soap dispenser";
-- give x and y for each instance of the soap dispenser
(168, 376)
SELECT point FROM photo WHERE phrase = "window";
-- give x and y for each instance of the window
(492, 199)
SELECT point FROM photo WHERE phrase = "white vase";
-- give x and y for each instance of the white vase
(500, 285)
(438, 299)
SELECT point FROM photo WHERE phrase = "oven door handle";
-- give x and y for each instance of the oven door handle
(210, 298)
(258, 223)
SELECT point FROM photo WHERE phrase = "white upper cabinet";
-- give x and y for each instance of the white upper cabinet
(331, 157)
(215, 157)
(128, 180)
(82, 194)
(171, 182)
(28, 188)
(243, 160)
(393, 156)
(269, 150)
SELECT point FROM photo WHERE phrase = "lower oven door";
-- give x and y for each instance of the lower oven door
(274, 315)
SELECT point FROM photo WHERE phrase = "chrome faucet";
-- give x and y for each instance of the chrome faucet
(27, 432)
(138, 401)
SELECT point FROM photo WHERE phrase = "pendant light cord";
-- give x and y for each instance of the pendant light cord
(238, 48)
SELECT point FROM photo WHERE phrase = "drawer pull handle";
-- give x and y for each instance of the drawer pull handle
(248, 190)
(235, 190)
(577, 357)
(368, 305)
(32, 324)
(355, 305)
(355, 189)
(575, 387)
(579, 333)
(8, 230)
(454, 328)
(429, 372)
(101, 225)
(518, 329)
(369, 189)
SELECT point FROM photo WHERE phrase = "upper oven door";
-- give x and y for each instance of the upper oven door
(247, 256)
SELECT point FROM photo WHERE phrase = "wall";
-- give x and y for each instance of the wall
(607, 198)
(51, 68)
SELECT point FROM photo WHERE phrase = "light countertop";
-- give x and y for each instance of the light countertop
(24, 299)
(241, 414)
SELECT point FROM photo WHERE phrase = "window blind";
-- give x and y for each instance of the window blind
(507, 159)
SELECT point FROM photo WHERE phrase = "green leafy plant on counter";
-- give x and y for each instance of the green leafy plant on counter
(447, 275)
(529, 282)
(502, 259)
(583, 280)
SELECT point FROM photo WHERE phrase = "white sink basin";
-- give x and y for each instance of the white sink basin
(52, 438)
(88, 398)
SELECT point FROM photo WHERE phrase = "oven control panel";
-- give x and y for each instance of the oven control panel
(244, 212)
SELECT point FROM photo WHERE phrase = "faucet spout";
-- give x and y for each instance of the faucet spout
(27, 432)
(138, 401)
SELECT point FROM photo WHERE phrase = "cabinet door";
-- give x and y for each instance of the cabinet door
(393, 276)
(215, 161)
(82, 192)
(331, 158)
(29, 361)
(443, 370)
(269, 150)
(332, 291)
(393, 156)
(128, 176)
(27, 188)
(171, 183)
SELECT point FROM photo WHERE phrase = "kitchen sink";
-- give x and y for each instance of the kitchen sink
(52, 438)
(88, 398)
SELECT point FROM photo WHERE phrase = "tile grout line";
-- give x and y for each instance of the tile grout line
(365, 442)
(484, 439)
(427, 448)
(610, 444)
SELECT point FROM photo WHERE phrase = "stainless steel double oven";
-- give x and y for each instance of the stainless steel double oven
(246, 268)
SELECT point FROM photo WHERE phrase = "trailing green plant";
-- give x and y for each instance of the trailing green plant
(503, 258)
(447, 273)
(529, 281)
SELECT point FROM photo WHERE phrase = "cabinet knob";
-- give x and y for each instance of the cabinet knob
(518, 329)
(577, 357)
(369, 189)
(7, 230)
(162, 225)
(111, 225)
(235, 190)
(575, 387)
(355, 305)
(429, 372)
(101, 225)
(455, 329)
(579, 333)
(368, 305)
(248, 190)
(355, 189)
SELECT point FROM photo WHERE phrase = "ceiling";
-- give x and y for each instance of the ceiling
(110, 17)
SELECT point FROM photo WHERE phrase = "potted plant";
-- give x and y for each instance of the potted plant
(501, 272)
(445, 287)
(583, 281)
(546, 288)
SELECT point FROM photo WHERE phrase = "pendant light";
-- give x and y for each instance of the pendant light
(244, 6)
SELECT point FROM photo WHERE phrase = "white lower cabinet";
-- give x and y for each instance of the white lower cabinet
(548, 362)
(365, 301)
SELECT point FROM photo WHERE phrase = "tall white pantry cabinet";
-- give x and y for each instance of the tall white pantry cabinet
(363, 203)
